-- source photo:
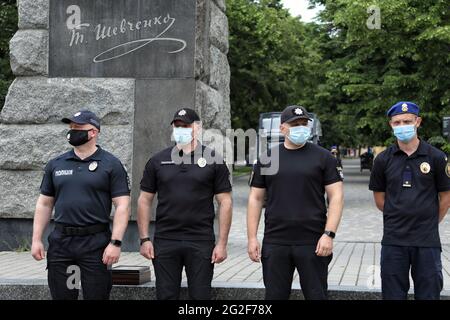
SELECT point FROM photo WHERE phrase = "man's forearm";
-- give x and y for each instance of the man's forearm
(334, 214)
(120, 224)
(443, 209)
(41, 219)
(144, 217)
(225, 217)
(444, 204)
(253, 216)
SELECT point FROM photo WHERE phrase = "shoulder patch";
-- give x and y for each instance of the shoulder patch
(128, 176)
(250, 181)
(447, 169)
(341, 172)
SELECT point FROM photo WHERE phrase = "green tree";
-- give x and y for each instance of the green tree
(266, 59)
(8, 26)
(408, 58)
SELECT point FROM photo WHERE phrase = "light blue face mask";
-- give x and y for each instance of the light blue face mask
(299, 134)
(405, 133)
(182, 136)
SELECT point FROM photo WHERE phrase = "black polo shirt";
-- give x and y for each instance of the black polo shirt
(186, 192)
(411, 214)
(83, 189)
(296, 212)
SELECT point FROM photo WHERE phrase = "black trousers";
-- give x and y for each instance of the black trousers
(73, 258)
(426, 272)
(279, 263)
(170, 258)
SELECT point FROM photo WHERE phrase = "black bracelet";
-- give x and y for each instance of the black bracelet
(144, 240)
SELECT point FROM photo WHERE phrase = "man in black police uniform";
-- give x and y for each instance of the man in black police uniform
(186, 181)
(297, 232)
(411, 184)
(80, 185)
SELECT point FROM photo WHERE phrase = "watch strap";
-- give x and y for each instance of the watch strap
(145, 240)
(116, 243)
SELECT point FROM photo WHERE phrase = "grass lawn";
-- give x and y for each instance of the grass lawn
(241, 171)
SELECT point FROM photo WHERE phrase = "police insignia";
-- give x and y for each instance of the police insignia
(77, 114)
(93, 166)
(201, 162)
(447, 169)
(298, 111)
(404, 107)
(251, 177)
(182, 112)
(341, 172)
(128, 177)
(425, 167)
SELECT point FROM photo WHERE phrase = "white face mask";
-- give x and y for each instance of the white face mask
(182, 136)
(299, 135)
(405, 133)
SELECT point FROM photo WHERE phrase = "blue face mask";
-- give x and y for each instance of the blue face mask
(405, 133)
(182, 136)
(299, 135)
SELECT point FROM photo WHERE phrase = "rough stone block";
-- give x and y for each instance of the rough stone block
(33, 14)
(221, 4)
(220, 70)
(214, 107)
(219, 29)
(31, 147)
(29, 52)
(20, 190)
(41, 100)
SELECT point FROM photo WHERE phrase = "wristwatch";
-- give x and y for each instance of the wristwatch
(144, 240)
(331, 234)
(116, 243)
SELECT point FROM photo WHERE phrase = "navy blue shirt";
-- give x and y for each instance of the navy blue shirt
(83, 189)
(411, 185)
(296, 213)
(185, 193)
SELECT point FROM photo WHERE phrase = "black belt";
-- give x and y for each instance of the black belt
(81, 231)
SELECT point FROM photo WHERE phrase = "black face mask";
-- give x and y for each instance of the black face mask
(78, 137)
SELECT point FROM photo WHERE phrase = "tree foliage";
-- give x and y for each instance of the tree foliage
(339, 68)
(266, 59)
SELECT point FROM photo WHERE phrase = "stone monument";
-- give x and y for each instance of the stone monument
(133, 62)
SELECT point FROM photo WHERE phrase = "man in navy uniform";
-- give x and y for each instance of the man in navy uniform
(81, 186)
(298, 232)
(411, 185)
(186, 182)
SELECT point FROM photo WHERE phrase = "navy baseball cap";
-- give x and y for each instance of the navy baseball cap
(84, 117)
(292, 113)
(403, 107)
(186, 115)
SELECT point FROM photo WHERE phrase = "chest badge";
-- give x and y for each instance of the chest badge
(425, 167)
(201, 162)
(93, 166)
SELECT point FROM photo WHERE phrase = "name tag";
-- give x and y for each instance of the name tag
(167, 163)
(407, 177)
(63, 173)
